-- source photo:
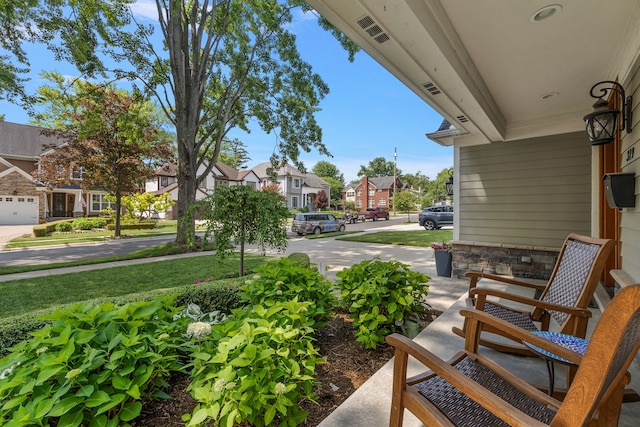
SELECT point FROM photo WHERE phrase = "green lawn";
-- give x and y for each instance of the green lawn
(22, 296)
(163, 228)
(156, 251)
(408, 238)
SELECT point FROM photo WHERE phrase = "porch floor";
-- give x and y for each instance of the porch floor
(369, 406)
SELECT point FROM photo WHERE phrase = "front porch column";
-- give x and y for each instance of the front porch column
(78, 209)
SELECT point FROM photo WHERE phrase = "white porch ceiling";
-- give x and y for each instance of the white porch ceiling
(490, 65)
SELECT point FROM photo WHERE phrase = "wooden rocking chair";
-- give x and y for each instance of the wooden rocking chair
(472, 390)
(565, 297)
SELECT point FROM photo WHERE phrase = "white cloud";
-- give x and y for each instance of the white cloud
(146, 9)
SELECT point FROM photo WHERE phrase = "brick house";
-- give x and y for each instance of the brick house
(373, 192)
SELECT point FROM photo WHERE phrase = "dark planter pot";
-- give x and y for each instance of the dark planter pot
(443, 263)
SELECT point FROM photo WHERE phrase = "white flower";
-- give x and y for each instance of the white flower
(280, 388)
(219, 385)
(4, 374)
(198, 329)
(279, 283)
(278, 292)
(230, 385)
(41, 350)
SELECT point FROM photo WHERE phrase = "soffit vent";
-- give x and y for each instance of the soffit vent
(373, 29)
(462, 119)
(431, 88)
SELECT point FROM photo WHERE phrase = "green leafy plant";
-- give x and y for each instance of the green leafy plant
(254, 368)
(286, 280)
(380, 296)
(88, 223)
(63, 227)
(93, 365)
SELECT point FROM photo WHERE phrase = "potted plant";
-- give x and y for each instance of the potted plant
(442, 252)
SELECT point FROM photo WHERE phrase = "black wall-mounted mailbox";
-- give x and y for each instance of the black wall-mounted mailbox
(620, 189)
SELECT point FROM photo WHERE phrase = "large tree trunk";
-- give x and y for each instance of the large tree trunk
(187, 187)
(118, 214)
(186, 68)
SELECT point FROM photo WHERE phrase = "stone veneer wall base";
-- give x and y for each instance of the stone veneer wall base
(529, 262)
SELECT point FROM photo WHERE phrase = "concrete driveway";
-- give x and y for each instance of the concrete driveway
(8, 232)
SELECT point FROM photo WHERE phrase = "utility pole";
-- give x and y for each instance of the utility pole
(395, 155)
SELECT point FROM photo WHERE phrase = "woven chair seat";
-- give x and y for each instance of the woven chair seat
(522, 320)
(464, 412)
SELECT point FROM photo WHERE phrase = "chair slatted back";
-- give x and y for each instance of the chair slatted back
(577, 273)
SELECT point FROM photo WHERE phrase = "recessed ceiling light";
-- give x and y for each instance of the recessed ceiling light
(545, 13)
(549, 95)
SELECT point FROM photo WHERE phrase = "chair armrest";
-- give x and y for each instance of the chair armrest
(464, 384)
(513, 332)
(484, 292)
(475, 278)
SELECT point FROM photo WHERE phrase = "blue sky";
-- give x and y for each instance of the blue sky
(367, 113)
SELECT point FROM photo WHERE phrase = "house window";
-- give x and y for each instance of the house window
(77, 172)
(164, 181)
(220, 183)
(359, 203)
(382, 202)
(371, 203)
(294, 202)
(296, 182)
(359, 193)
(251, 184)
(99, 202)
(351, 193)
(372, 192)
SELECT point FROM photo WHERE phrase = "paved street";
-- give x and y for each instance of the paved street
(63, 253)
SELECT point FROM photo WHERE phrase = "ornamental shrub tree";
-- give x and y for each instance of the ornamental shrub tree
(238, 215)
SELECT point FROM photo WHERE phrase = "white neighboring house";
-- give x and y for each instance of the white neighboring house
(166, 181)
(299, 189)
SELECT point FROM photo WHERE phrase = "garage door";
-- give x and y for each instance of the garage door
(16, 210)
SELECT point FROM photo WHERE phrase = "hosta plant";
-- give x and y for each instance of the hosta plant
(380, 296)
(286, 280)
(91, 366)
(254, 368)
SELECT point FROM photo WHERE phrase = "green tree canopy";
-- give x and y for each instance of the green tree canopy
(417, 182)
(234, 153)
(326, 169)
(437, 188)
(378, 167)
(112, 141)
(404, 201)
(335, 190)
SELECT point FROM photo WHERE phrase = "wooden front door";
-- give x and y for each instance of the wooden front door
(59, 204)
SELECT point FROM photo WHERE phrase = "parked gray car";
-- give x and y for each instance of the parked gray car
(434, 217)
(316, 223)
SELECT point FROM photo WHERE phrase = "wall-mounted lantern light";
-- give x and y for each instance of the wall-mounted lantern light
(15, 192)
(602, 124)
(449, 184)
